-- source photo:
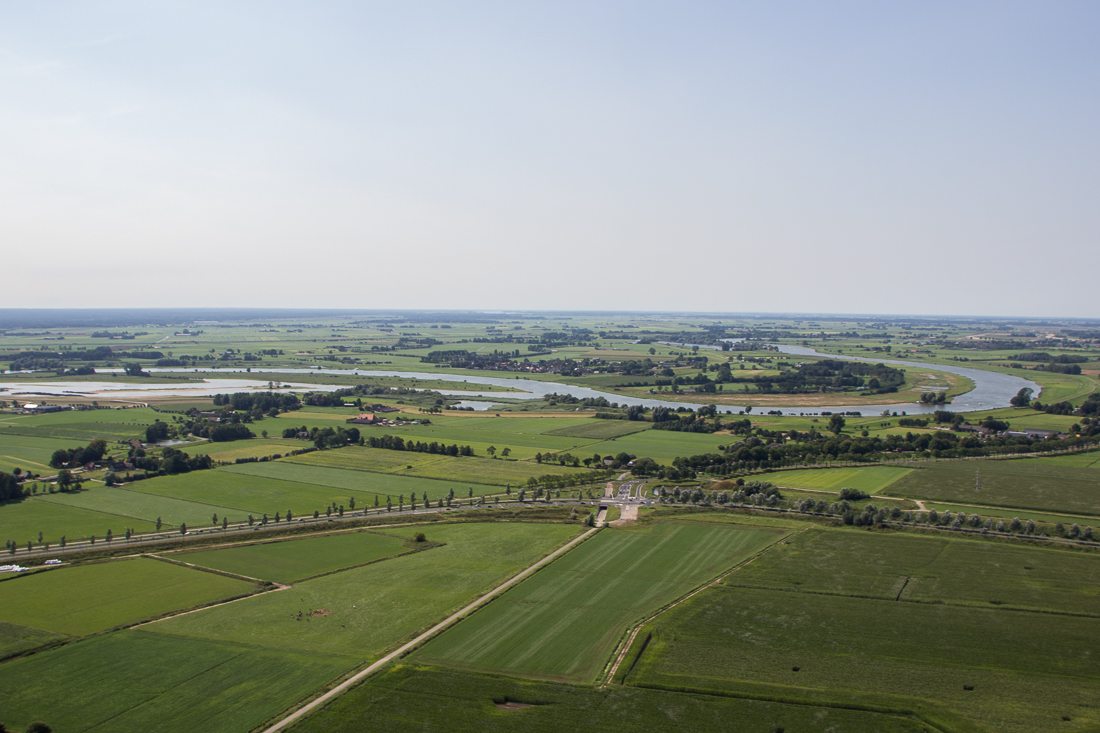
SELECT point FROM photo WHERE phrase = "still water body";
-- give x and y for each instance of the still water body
(991, 389)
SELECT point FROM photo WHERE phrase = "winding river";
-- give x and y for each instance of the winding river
(991, 389)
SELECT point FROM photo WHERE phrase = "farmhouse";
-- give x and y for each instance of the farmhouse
(365, 418)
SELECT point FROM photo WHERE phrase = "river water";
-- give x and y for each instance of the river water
(991, 389)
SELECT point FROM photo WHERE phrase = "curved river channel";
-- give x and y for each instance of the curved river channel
(991, 389)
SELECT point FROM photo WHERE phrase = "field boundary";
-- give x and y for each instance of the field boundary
(628, 638)
(433, 631)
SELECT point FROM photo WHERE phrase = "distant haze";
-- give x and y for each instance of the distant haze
(936, 157)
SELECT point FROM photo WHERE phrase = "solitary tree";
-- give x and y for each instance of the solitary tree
(183, 528)
(159, 523)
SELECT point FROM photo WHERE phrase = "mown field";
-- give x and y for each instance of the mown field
(563, 622)
(360, 482)
(21, 521)
(89, 598)
(29, 453)
(374, 606)
(139, 680)
(82, 426)
(929, 569)
(1025, 483)
(468, 470)
(415, 698)
(872, 479)
(964, 633)
(286, 561)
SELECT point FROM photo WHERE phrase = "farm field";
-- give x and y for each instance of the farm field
(17, 639)
(362, 482)
(246, 494)
(287, 561)
(929, 569)
(21, 521)
(139, 680)
(600, 429)
(29, 453)
(373, 607)
(442, 700)
(872, 479)
(1025, 483)
(468, 470)
(89, 598)
(563, 622)
(82, 426)
(1026, 672)
(241, 448)
(122, 505)
(660, 445)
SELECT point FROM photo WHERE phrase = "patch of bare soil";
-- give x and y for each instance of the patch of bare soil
(321, 612)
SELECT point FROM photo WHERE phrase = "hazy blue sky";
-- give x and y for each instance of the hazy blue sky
(917, 157)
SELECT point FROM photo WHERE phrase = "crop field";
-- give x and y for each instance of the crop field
(929, 569)
(522, 445)
(29, 453)
(85, 599)
(122, 505)
(600, 429)
(1022, 671)
(286, 561)
(441, 701)
(363, 482)
(373, 607)
(82, 425)
(16, 639)
(21, 521)
(460, 470)
(241, 448)
(660, 445)
(246, 494)
(563, 622)
(138, 680)
(872, 479)
(1025, 483)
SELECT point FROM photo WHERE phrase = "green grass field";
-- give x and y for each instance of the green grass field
(660, 445)
(432, 700)
(929, 569)
(81, 426)
(564, 621)
(286, 561)
(29, 453)
(872, 479)
(16, 639)
(469, 470)
(21, 521)
(246, 494)
(242, 448)
(124, 504)
(600, 429)
(1027, 670)
(375, 606)
(361, 482)
(1025, 483)
(138, 680)
(85, 599)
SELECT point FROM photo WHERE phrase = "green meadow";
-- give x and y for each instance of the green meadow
(374, 606)
(434, 700)
(470, 470)
(139, 680)
(85, 599)
(872, 479)
(1025, 483)
(287, 561)
(563, 622)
